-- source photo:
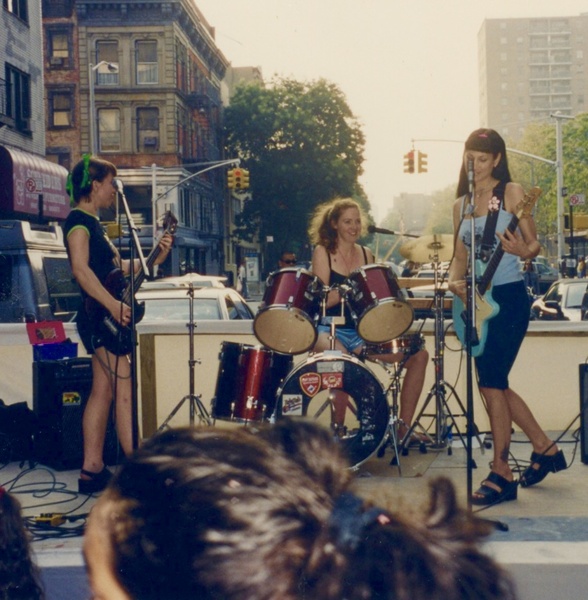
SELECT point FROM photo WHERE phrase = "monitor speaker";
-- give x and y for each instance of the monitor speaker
(60, 392)
(584, 413)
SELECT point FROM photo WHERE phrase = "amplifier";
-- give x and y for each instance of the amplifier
(584, 413)
(60, 391)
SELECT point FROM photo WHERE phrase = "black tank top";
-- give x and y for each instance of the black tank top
(339, 279)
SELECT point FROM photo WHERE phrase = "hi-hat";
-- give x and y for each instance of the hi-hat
(427, 248)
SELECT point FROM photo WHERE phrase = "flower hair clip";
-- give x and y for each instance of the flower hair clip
(493, 204)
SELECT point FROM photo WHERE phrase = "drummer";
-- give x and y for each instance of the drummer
(334, 230)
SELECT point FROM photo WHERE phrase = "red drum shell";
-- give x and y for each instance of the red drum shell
(287, 318)
(247, 381)
(378, 305)
(405, 344)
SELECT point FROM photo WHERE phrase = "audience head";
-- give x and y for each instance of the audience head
(19, 577)
(266, 513)
(287, 259)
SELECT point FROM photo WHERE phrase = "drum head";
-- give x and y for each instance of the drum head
(385, 321)
(342, 394)
(285, 329)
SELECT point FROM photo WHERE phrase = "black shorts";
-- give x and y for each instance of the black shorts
(506, 332)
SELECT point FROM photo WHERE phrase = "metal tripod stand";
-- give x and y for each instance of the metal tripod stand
(193, 399)
(442, 415)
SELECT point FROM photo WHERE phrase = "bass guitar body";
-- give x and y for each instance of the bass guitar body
(116, 338)
(485, 309)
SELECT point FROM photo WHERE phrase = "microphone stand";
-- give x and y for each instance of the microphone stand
(471, 338)
(134, 250)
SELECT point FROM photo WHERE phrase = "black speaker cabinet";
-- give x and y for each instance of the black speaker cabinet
(584, 413)
(60, 392)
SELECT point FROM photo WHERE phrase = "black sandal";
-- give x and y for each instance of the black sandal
(96, 482)
(488, 495)
(547, 464)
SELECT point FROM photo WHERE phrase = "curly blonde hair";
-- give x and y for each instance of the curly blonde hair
(321, 230)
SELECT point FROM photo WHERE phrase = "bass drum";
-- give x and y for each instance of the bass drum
(341, 393)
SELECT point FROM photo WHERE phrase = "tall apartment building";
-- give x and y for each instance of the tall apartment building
(30, 187)
(530, 68)
(139, 84)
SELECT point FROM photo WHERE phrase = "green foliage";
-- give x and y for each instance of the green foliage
(302, 146)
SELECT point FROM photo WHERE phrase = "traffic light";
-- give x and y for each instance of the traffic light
(231, 179)
(409, 162)
(238, 178)
(422, 162)
(245, 178)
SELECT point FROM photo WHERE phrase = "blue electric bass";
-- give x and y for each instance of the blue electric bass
(485, 306)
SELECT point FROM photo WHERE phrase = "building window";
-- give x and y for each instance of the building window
(18, 97)
(146, 57)
(61, 109)
(59, 156)
(58, 48)
(107, 52)
(109, 138)
(147, 129)
(17, 8)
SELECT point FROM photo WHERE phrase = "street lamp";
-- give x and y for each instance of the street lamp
(93, 117)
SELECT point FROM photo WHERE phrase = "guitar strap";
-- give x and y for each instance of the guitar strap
(488, 239)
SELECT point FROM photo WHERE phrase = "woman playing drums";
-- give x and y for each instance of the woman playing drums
(334, 230)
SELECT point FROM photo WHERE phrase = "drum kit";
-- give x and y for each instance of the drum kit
(262, 384)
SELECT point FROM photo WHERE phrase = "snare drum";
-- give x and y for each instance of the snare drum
(287, 318)
(377, 304)
(314, 387)
(408, 345)
(247, 381)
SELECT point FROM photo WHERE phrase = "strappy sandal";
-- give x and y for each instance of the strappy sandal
(486, 495)
(96, 482)
(547, 464)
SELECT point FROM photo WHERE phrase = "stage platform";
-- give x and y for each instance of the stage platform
(545, 547)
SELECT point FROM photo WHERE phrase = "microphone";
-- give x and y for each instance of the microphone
(471, 173)
(373, 229)
(117, 184)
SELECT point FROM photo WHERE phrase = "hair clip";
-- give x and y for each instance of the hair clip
(483, 135)
(86, 180)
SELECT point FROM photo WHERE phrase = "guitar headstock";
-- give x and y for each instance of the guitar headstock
(525, 206)
(170, 223)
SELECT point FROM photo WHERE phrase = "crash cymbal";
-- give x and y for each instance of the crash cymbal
(438, 246)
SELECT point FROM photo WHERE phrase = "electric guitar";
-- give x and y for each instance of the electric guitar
(485, 306)
(118, 338)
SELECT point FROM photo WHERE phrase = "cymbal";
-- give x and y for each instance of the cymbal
(428, 247)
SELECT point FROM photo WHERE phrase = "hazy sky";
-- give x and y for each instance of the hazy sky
(407, 68)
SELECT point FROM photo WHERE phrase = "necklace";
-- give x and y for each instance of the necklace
(480, 193)
(351, 254)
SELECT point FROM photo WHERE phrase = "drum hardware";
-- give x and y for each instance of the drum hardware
(194, 400)
(444, 420)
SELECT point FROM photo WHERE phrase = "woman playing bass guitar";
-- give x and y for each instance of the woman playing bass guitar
(93, 257)
(496, 193)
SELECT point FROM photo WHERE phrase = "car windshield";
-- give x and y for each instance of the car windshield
(575, 296)
(178, 309)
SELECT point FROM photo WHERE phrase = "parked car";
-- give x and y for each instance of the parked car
(546, 275)
(190, 279)
(562, 302)
(172, 303)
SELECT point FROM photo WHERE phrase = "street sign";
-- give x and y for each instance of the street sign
(577, 199)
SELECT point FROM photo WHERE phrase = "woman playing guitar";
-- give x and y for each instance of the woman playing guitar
(93, 257)
(494, 192)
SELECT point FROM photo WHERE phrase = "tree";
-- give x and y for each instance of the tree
(302, 146)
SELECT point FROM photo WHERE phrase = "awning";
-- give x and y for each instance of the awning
(24, 178)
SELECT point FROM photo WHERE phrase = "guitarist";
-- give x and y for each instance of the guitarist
(495, 195)
(92, 257)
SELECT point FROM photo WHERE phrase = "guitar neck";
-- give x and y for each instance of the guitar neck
(140, 276)
(495, 260)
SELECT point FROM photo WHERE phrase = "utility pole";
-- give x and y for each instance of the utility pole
(559, 175)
